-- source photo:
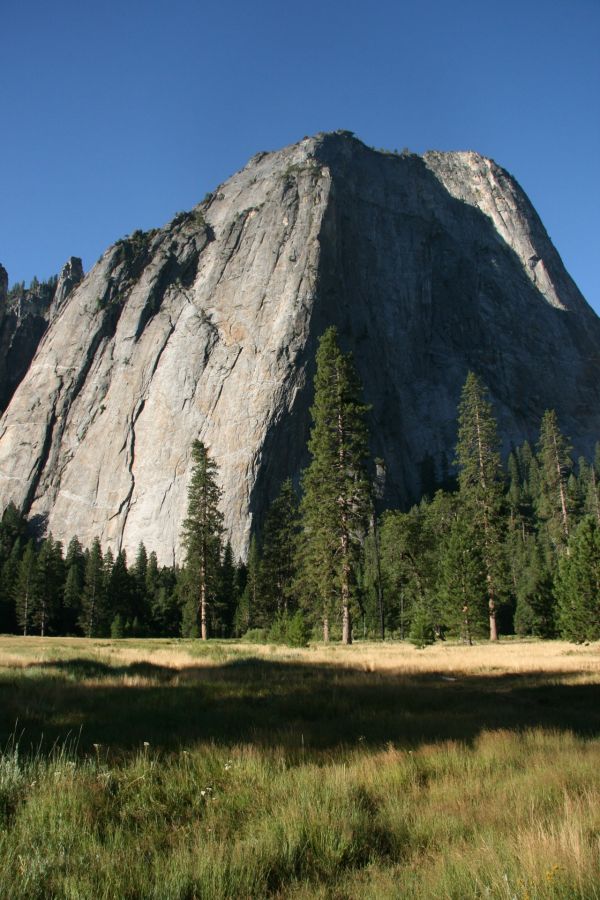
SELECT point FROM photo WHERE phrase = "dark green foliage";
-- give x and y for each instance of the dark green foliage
(117, 628)
(50, 578)
(405, 566)
(249, 612)
(555, 503)
(278, 565)
(520, 550)
(462, 586)
(13, 539)
(578, 584)
(336, 500)
(93, 616)
(481, 483)
(202, 532)
(73, 589)
(26, 589)
(292, 630)
(226, 599)
(422, 632)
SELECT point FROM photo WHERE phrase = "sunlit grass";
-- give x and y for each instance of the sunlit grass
(171, 770)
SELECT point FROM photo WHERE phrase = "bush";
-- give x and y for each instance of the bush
(117, 629)
(290, 630)
(422, 631)
(256, 636)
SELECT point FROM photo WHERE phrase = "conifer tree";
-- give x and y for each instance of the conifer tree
(481, 484)
(75, 570)
(406, 566)
(26, 588)
(336, 499)
(226, 602)
(93, 612)
(120, 588)
(578, 584)
(152, 580)
(250, 612)
(462, 585)
(202, 531)
(591, 503)
(555, 467)
(139, 598)
(13, 528)
(8, 581)
(277, 568)
(49, 585)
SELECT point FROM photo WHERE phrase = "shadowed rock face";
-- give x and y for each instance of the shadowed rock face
(24, 317)
(429, 266)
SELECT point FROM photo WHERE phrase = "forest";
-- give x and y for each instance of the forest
(503, 547)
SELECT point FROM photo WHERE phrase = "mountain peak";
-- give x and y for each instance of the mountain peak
(429, 266)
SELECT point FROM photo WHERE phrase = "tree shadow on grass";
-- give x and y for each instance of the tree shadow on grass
(289, 704)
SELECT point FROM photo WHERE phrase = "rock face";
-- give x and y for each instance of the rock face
(24, 317)
(429, 266)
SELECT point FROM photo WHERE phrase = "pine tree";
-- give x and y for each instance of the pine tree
(202, 531)
(462, 585)
(49, 585)
(73, 589)
(141, 605)
(13, 528)
(555, 468)
(250, 612)
(406, 567)
(227, 600)
(120, 588)
(93, 606)
(578, 584)
(26, 588)
(591, 503)
(9, 575)
(336, 499)
(277, 569)
(481, 483)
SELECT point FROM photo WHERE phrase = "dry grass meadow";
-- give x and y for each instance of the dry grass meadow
(176, 770)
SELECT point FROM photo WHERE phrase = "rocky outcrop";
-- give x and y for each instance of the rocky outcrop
(24, 317)
(429, 266)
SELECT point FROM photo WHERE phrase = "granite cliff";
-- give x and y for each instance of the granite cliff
(24, 317)
(429, 266)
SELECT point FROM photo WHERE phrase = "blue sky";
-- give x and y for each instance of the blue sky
(116, 115)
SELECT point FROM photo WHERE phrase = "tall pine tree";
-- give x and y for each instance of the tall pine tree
(336, 500)
(481, 485)
(202, 532)
(555, 467)
(578, 584)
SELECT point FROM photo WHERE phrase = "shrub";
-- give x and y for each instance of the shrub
(421, 629)
(256, 636)
(290, 630)
(117, 629)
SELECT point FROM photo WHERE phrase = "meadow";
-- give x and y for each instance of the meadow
(174, 770)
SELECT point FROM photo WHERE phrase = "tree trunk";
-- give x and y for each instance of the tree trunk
(346, 619)
(346, 625)
(467, 627)
(379, 581)
(326, 629)
(203, 625)
(561, 491)
(493, 623)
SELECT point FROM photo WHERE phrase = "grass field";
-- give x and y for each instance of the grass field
(170, 769)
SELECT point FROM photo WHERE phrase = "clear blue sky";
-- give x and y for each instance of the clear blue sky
(116, 115)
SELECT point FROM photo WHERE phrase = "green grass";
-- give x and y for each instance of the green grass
(246, 774)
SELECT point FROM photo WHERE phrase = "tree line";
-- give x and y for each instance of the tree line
(501, 549)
